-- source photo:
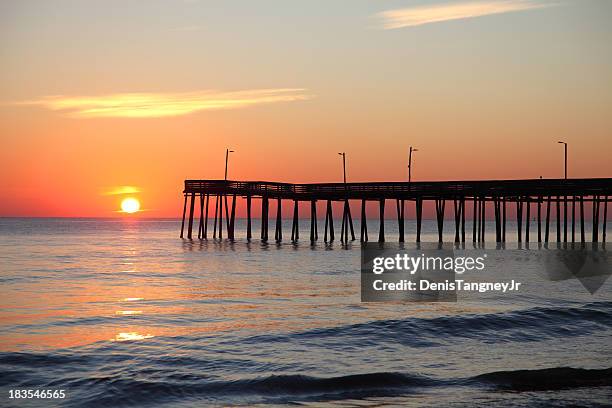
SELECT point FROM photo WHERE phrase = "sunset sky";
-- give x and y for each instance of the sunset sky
(104, 99)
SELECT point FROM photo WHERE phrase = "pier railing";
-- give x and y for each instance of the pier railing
(511, 189)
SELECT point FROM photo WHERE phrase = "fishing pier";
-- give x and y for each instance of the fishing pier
(523, 199)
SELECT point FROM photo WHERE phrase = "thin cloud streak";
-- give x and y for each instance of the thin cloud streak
(420, 15)
(157, 105)
(122, 190)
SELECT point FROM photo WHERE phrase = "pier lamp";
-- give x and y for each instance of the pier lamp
(410, 163)
(565, 149)
(343, 154)
(227, 152)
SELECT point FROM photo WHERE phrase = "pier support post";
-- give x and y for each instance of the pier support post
(381, 230)
(457, 211)
(350, 220)
(278, 231)
(400, 218)
(248, 205)
(595, 237)
(564, 218)
(184, 211)
(205, 234)
(329, 222)
(265, 203)
(582, 237)
(216, 217)
(479, 233)
(191, 208)
(605, 220)
(440, 204)
(527, 219)
(540, 219)
(220, 202)
(519, 219)
(313, 221)
(497, 214)
(475, 219)
(419, 218)
(463, 219)
(295, 231)
(227, 217)
(364, 224)
(573, 219)
(504, 219)
(201, 223)
(547, 229)
(558, 219)
(230, 231)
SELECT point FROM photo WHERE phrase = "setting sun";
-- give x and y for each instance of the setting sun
(130, 205)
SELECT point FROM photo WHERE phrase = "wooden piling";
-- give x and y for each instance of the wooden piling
(184, 211)
(558, 219)
(564, 218)
(381, 230)
(419, 218)
(313, 221)
(519, 219)
(463, 219)
(474, 221)
(573, 219)
(457, 212)
(546, 234)
(400, 218)
(527, 219)
(504, 219)
(479, 209)
(230, 232)
(595, 235)
(295, 231)
(440, 204)
(329, 222)
(540, 219)
(483, 215)
(364, 223)
(605, 220)
(191, 208)
(350, 220)
(227, 217)
(582, 237)
(278, 231)
(206, 217)
(265, 203)
(201, 222)
(248, 205)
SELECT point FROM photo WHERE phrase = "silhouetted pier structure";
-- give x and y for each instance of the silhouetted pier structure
(525, 198)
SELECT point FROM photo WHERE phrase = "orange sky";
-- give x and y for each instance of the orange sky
(93, 98)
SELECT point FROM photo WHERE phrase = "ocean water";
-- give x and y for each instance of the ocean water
(124, 313)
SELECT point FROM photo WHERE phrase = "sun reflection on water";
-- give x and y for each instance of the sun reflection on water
(131, 336)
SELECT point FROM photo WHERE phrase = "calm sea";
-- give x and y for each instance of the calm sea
(124, 313)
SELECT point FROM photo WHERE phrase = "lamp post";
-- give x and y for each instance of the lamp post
(343, 154)
(565, 151)
(410, 163)
(227, 152)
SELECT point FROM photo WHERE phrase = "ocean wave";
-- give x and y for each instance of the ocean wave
(533, 324)
(547, 379)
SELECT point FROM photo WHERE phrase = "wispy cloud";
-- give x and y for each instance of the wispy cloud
(420, 15)
(155, 105)
(122, 190)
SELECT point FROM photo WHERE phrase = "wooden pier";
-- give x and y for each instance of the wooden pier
(523, 198)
